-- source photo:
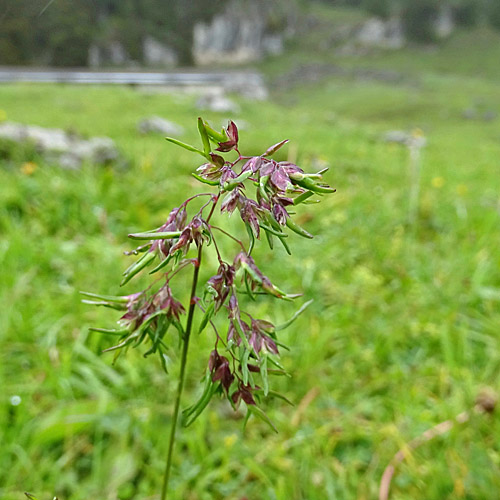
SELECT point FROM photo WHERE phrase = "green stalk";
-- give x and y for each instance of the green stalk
(185, 347)
(182, 374)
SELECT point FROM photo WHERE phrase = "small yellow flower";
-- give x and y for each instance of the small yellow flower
(28, 167)
(438, 182)
(230, 440)
(284, 463)
(417, 133)
(146, 163)
(459, 488)
(462, 189)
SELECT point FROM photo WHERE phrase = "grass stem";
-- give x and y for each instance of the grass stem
(182, 374)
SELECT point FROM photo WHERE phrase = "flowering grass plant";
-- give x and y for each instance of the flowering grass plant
(264, 192)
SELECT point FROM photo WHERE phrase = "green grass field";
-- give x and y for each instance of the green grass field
(402, 334)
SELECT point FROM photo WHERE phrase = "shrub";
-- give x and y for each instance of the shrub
(418, 20)
(379, 8)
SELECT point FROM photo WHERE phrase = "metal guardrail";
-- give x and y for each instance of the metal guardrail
(128, 78)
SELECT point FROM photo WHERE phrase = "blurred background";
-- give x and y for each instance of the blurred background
(399, 98)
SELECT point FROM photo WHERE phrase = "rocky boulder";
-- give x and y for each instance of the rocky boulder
(112, 53)
(379, 33)
(156, 53)
(158, 125)
(67, 149)
(243, 32)
(218, 102)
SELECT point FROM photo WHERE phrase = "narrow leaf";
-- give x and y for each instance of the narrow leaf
(118, 307)
(204, 136)
(119, 333)
(270, 240)
(248, 286)
(277, 228)
(263, 374)
(241, 333)
(252, 273)
(280, 396)
(163, 360)
(121, 299)
(230, 185)
(207, 316)
(251, 238)
(214, 135)
(244, 365)
(302, 197)
(162, 264)
(297, 229)
(189, 415)
(285, 245)
(308, 183)
(286, 324)
(255, 410)
(276, 363)
(125, 342)
(205, 181)
(155, 236)
(187, 146)
(161, 330)
(137, 267)
(273, 231)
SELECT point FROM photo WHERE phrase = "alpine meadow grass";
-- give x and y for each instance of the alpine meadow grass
(402, 333)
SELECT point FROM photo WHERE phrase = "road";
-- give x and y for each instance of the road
(230, 80)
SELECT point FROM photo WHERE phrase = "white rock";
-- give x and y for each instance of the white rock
(158, 125)
(217, 102)
(444, 23)
(411, 140)
(57, 145)
(157, 54)
(397, 136)
(239, 34)
(250, 85)
(378, 33)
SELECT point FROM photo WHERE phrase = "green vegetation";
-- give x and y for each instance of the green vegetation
(58, 33)
(61, 33)
(470, 53)
(402, 334)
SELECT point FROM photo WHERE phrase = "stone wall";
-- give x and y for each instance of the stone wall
(243, 32)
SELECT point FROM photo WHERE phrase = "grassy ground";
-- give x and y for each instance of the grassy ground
(402, 335)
